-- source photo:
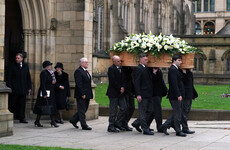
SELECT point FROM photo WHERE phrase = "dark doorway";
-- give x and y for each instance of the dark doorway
(14, 40)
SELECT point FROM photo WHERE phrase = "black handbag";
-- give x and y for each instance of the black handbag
(46, 109)
(67, 105)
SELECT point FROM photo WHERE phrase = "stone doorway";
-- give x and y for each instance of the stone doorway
(14, 39)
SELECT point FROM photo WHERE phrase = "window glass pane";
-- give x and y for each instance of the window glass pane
(205, 5)
(198, 29)
(195, 64)
(200, 64)
(101, 26)
(228, 5)
(193, 5)
(198, 5)
(228, 64)
(212, 5)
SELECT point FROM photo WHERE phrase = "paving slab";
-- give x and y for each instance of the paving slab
(209, 135)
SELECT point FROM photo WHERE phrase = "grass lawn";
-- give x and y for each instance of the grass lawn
(209, 97)
(20, 147)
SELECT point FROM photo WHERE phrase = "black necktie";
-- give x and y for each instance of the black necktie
(87, 74)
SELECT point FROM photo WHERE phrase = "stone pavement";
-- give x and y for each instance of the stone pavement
(209, 135)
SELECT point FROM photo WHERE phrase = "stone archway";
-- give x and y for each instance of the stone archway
(39, 43)
(37, 38)
(35, 19)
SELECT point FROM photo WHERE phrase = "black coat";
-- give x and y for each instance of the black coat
(143, 82)
(159, 87)
(129, 85)
(176, 86)
(83, 84)
(45, 84)
(116, 81)
(190, 91)
(19, 80)
(61, 95)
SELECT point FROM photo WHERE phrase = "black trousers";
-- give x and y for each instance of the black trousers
(186, 107)
(175, 118)
(146, 109)
(130, 109)
(116, 118)
(157, 109)
(17, 105)
(82, 107)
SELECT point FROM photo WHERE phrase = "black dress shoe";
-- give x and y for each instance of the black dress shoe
(188, 131)
(181, 134)
(74, 124)
(86, 128)
(120, 128)
(163, 129)
(112, 130)
(23, 121)
(147, 132)
(136, 127)
(127, 128)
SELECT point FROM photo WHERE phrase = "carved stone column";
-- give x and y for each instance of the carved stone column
(6, 118)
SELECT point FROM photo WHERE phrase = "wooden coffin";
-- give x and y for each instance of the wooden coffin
(164, 60)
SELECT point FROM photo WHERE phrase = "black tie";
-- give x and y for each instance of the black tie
(87, 74)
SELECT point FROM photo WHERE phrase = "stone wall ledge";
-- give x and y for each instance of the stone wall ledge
(195, 114)
(4, 88)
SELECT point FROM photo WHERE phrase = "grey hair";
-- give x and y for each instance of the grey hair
(83, 59)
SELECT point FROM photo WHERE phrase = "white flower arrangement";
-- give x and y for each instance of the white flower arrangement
(154, 44)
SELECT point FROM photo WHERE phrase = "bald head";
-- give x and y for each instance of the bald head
(116, 60)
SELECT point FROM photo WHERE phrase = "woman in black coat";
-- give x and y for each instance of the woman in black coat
(62, 90)
(46, 94)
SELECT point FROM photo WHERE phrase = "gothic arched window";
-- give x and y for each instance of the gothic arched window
(198, 29)
(98, 26)
(209, 28)
(199, 62)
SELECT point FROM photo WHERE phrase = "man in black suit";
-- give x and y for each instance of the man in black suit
(83, 94)
(176, 95)
(190, 94)
(19, 80)
(115, 92)
(143, 88)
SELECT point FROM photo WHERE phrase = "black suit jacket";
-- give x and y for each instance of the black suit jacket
(176, 86)
(143, 82)
(190, 91)
(159, 87)
(19, 80)
(83, 84)
(116, 81)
